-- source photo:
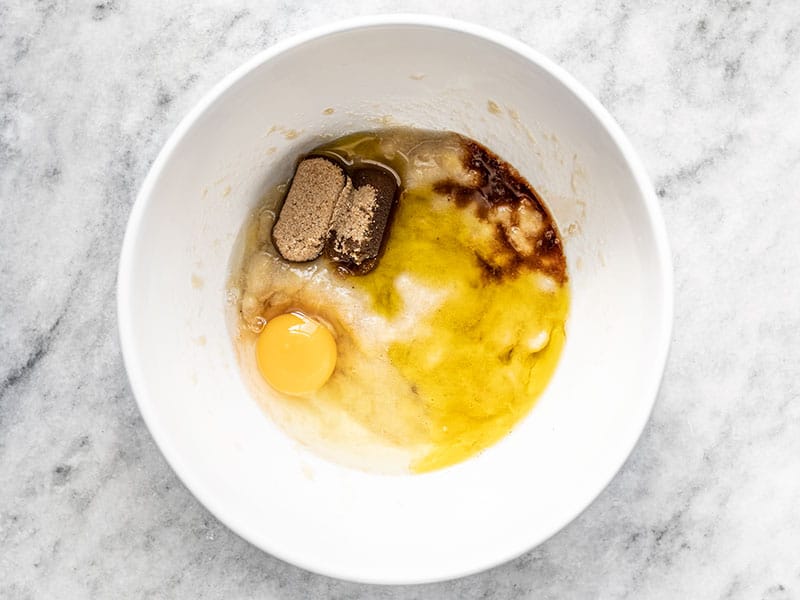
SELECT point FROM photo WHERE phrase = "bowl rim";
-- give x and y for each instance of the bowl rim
(125, 289)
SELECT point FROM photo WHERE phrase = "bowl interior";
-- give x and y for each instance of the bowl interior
(243, 139)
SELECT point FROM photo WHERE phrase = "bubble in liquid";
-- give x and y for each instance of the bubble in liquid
(232, 295)
(258, 324)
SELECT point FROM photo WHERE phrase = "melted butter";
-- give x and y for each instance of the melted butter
(481, 359)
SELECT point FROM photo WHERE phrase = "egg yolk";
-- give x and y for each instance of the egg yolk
(295, 354)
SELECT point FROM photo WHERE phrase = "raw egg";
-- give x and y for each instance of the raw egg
(295, 354)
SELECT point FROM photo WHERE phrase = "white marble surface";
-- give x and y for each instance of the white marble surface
(708, 506)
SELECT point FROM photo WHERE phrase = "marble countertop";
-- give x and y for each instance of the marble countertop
(707, 506)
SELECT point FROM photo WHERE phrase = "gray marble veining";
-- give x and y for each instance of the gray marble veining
(708, 505)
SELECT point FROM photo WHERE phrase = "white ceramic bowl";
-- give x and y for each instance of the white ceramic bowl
(242, 138)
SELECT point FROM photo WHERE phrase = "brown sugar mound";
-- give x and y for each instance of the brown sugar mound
(304, 222)
(326, 210)
(359, 224)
